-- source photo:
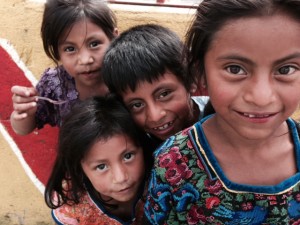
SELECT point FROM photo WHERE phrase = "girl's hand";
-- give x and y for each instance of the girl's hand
(24, 102)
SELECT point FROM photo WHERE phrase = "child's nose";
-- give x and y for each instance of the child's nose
(155, 113)
(261, 92)
(85, 57)
(120, 174)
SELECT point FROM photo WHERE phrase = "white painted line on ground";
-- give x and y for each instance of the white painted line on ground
(19, 155)
(16, 58)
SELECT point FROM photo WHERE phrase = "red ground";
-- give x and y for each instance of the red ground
(38, 148)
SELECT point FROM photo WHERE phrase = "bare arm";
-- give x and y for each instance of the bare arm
(22, 118)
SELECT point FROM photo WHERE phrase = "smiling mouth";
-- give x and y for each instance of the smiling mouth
(165, 126)
(258, 116)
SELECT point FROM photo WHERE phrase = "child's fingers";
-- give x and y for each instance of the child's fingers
(18, 99)
(24, 107)
(19, 116)
(20, 91)
(23, 91)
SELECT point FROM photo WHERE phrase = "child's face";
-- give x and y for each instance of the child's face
(115, 168)
(81, 52)
(162, 108)
(253, 75)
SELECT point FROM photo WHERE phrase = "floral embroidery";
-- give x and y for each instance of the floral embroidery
(87, 212)
(185, 190)
(212, 202)
(196, 215)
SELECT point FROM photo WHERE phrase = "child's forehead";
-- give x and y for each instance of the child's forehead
(118, 143)
(145, 86)
(80, 22)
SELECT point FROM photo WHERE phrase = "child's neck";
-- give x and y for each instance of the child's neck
(256, 162)
(123, 209)
(86, 92)
(221, 132)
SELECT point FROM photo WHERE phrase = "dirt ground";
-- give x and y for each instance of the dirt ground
(21, 202)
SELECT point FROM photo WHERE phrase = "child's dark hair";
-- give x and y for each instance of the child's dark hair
(211, 15)
(143, 53)
(60, 15)
(90, 121)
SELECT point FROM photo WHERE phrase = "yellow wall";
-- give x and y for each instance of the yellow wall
(21, 19)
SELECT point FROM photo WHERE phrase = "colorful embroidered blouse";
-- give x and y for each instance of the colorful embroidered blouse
(91, 212)
(56, 84)
(188, 186)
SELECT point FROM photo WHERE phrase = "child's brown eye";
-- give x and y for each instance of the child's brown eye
(164, 94)
(69, 49)
(94, 44)
(101, 167)
(234, 69)
(285, 70)
(137, 105)
(128, 156)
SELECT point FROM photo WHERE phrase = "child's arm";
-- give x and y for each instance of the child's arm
(22, 118)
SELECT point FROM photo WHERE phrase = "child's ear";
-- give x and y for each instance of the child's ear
(116, 32)
(193, 88)
(203, 82)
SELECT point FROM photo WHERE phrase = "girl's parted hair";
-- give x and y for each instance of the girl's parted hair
(60, 15)
(211, 15)
(90, 121)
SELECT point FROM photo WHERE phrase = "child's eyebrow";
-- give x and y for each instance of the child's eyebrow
(66, 42)
(248, 61)
(125, 150)
(236, 57)
(93, 36)
(289, 57)
(94, 161)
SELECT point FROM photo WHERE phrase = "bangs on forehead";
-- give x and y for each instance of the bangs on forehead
(143, 54)
(133, 84)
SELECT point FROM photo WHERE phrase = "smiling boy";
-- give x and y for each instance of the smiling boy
(145, 67)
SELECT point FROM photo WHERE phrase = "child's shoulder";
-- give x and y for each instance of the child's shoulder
(297, 123)
(86, 211)
(55, 73)
(56, 82)
(293, 124)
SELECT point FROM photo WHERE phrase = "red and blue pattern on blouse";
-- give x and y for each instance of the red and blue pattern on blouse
(187, 186)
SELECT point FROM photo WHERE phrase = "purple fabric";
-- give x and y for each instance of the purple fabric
(56, 84)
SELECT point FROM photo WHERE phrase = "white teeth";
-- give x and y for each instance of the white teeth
(164, 126)
(255, 116)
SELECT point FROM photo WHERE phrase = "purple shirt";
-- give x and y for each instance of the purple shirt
(56, 84)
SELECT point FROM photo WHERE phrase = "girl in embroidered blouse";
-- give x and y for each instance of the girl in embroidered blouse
(241, 164)
(75, 34)
(98, 176)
